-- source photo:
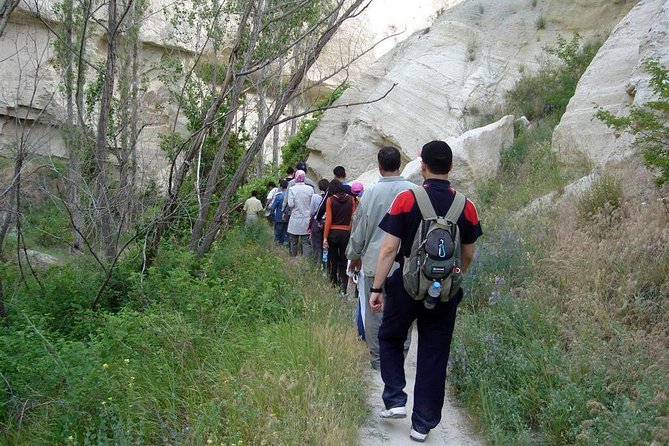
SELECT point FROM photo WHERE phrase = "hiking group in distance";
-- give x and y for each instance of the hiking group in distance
(405, 246)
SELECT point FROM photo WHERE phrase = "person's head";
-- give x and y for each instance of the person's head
(301, 165)
(389, 159)
(336, 188)
(323, 185)
(254, 193)
(339, 172)
(283, 184)
(357, 188)
(290, 171)
(300, 176)
(437, 158)
(271, 185)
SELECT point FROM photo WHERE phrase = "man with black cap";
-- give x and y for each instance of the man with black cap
(387, 294)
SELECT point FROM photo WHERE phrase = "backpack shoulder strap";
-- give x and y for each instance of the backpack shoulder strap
(457, 207)
(424, 203)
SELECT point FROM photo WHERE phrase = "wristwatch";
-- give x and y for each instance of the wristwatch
(375, 290)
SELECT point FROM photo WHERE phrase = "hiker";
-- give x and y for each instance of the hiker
(340, 175)
(301, 165)
(299, 200)
(315, 225)
(276, 213)
(252, 206)
(400, 309)
(271, 192)
(366, 238)
(290, 174)
(339, 209)
(357, 189)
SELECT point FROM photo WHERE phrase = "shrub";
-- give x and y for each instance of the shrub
(548, 91)
(601, 201)
(649, 123)
(540, 22)
(296, 148)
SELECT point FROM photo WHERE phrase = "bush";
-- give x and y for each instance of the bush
(601, 201)
(548, 91)
(296, 148)
(224, 349)
(649, 123)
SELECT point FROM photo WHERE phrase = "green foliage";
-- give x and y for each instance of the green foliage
(548, 91)
(601, 201)
(648, 123)
(224, 349)
(555, 342)
(295, 148)
(540, 22)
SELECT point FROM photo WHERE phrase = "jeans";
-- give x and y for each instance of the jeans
(280, 232)
(299, 244)
(435, 329)
(337, 241)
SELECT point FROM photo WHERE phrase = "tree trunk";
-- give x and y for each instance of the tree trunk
(100, 153)
(6, 8)
(74, 136)
(11, 211)
(280, 105)
(170, 201)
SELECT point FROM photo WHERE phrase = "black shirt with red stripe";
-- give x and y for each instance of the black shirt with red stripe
(404, 217)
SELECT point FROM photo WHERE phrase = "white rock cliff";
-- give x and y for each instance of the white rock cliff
(447, 76)
(615, 80)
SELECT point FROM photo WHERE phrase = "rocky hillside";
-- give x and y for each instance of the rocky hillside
(30, 87)
(447, 78)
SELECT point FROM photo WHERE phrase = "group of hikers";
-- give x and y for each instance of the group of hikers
(407, 247)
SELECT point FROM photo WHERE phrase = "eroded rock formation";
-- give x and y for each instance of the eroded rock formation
(449, 76)
(614, 80)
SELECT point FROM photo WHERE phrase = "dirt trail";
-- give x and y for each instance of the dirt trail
(454, 429)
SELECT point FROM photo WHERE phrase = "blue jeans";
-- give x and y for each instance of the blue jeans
(435, 329)
(280, 232)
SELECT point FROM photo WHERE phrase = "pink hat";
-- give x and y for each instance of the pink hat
(300, 176)
(357, 187)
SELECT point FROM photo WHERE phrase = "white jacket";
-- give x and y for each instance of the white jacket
(299, 201)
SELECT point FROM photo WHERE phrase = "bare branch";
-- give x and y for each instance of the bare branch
(350, 104)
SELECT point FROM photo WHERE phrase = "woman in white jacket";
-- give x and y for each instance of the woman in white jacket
(299, 200)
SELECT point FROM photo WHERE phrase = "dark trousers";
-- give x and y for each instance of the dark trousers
(280, 232)
(317, 242)
(337, 241)
(435, 329)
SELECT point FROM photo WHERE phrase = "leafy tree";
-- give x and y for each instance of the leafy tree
(649, 123)
(295, 148)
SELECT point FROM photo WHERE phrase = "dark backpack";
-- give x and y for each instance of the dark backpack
(435, 251)
(278, 207)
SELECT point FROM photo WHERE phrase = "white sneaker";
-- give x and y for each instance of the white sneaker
(395, 412)
(417, 436)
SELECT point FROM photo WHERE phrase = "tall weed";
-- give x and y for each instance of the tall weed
(221, 350)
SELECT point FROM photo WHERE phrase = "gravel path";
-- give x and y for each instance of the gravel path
(454, 429)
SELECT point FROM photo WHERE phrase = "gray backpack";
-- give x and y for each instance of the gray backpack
(435, 252)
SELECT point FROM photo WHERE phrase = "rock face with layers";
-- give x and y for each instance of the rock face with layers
(476, 155)
(615, 80)
(448, 76)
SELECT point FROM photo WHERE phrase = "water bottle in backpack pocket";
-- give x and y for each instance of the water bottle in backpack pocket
(435, 252)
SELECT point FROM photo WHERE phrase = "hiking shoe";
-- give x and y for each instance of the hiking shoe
(395, 412)
(417, 436)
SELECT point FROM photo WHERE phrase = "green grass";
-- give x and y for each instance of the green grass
(229, 349)
(562, 336)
